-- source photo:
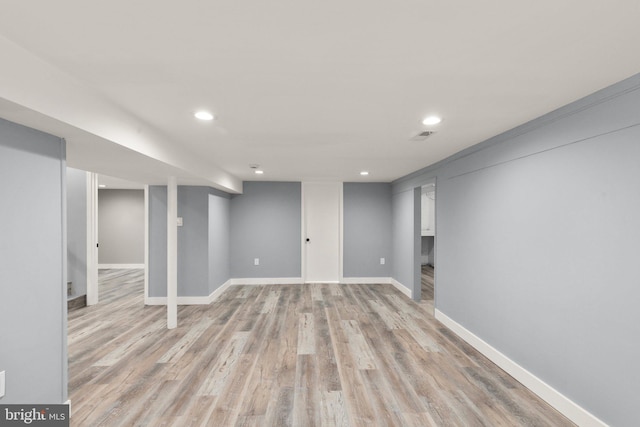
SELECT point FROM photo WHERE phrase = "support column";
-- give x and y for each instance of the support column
(92, 238)
(172, 253)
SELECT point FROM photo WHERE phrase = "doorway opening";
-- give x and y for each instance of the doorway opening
(427, 243)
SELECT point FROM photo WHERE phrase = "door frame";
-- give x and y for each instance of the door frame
(303, 230)
(92, 238)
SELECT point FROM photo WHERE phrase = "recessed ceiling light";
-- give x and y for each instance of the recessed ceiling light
(258, 172)
(431, 120)
(364, 173)
(204, 115)
(102, 186)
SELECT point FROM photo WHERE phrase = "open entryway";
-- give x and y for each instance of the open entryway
(427, 242)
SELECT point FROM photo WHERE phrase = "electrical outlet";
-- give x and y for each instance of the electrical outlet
(180, 222)
(2, 384)
(382, 261)
(256, 261)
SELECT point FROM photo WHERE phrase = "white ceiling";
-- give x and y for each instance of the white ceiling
(310, 90)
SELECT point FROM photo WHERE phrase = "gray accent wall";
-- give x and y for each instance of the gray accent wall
(405, 208)
(367, 219)
(121, 226)
(157, 268)
(203, 240)
(219, 231)
(77, 231)
(266, 224)
(33, 300)
(537, 247)
(193, 241)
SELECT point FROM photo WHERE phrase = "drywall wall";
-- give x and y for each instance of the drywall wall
(121, 226)
(405, 226)
(266, 224)
(219, 231)
(157, 267)
(203, 240)
(367, 229)
(538, 245)
(193, 241)
(33, 300)
(77, 231)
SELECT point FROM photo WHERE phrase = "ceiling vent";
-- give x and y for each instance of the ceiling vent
(422, 135)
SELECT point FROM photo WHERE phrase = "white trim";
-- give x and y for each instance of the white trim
(68, 403)
(366, 281)
(341, 232)
(268, 281)
(303, 235)
(172, 252)
(205, 300)
(402, 288)
(553, 397)
(146, 243)
(123, 266)
(92, 238)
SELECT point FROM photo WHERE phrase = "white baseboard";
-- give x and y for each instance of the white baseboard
(366, 280)
(124, 266)
(402, 288)
(560, 402)
(268, 281)
(204, 300)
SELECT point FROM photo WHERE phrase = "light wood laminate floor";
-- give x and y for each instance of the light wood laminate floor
(426, 282)
(279, 355)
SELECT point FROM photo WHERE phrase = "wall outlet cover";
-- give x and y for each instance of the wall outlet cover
(2, 384)
(256, 261)
(382, 261)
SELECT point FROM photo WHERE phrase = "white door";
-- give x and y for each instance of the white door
(322, 204)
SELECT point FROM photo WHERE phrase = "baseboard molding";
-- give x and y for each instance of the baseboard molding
(203, 300)
(76, 302)
(560, 402)
(366, 280)
(268, 281)
(123, 266)
(402, 288)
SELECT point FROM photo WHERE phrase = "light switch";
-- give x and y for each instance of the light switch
(179, 221)
(256, 261)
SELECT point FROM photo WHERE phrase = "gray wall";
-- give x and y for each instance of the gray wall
(405, 209)
(77, 231)
(219, 230)
(537, 248)
(33, 301)
(367, 229)
(266, 224)
(157, 267)
(203, 240)
(193, 241)
(121, 226)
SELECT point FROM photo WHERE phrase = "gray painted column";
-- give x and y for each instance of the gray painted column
(172, 253)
